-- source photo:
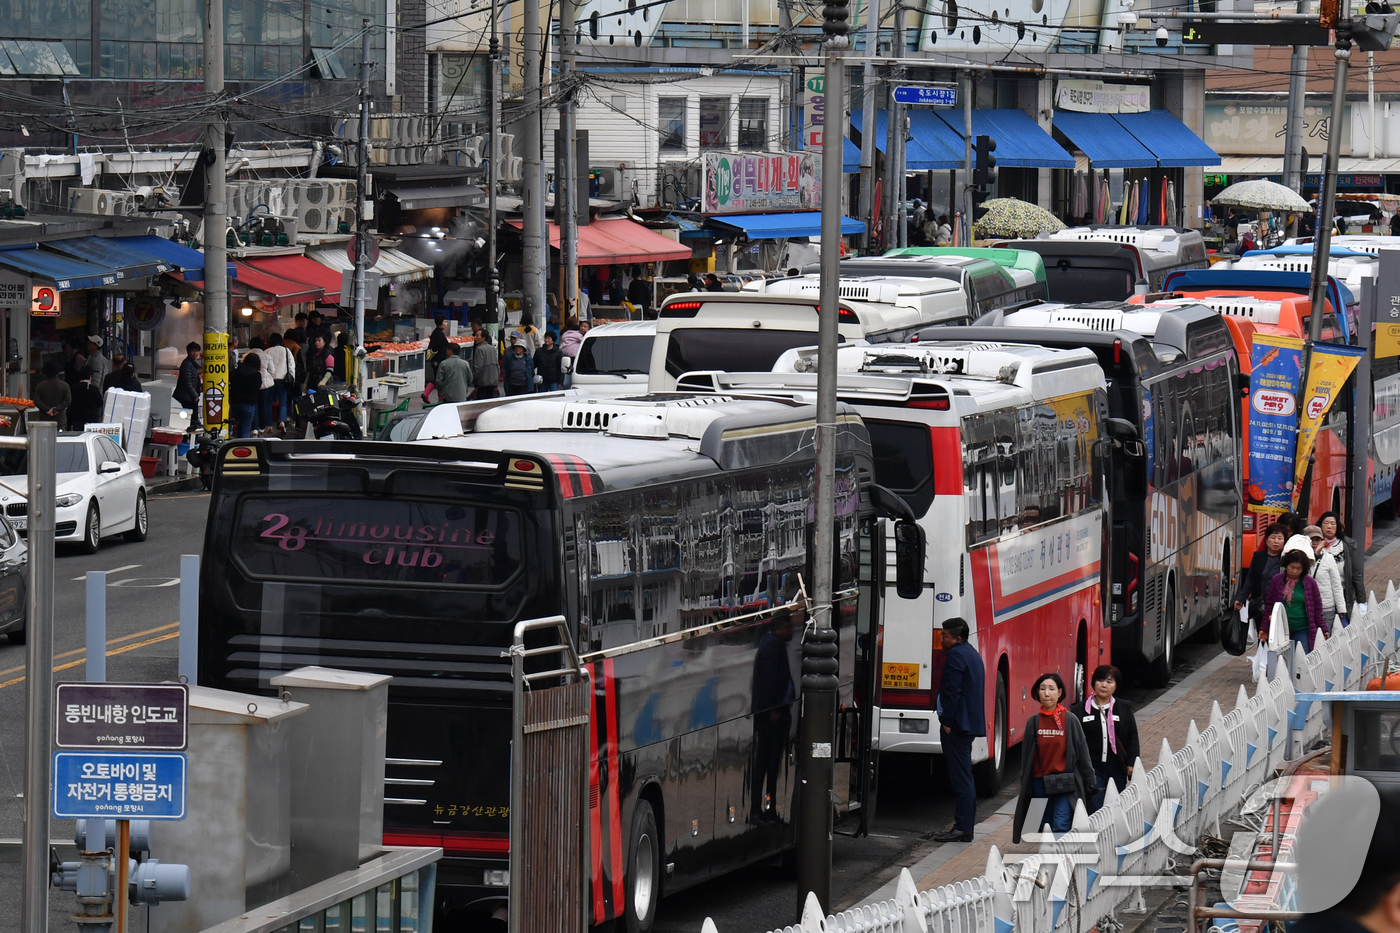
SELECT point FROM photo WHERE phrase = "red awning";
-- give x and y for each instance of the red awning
(301, 269)
(606, 242)
(271, 292)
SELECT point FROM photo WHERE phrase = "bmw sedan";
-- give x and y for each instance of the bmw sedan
(100, 491)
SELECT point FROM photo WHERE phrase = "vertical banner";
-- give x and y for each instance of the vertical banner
(1273, 421)
(1328, 370)
(813, 111)
(215, 379)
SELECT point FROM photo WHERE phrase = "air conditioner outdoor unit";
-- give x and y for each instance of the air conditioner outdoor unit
(614, 184)
(335, 195)
(505, 147)
(90, 201)
(276, 199)
(314, 193)
(512, 168)
(122, 204)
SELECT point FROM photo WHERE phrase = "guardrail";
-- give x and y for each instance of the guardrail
(1147, 835)
(393, 892)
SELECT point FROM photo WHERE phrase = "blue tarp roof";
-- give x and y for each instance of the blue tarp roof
(927, 149)
(113, 253)
(67, 274)
(1168, 139)
(1021, 143)
(773, 226)
(1104, 140)
(188, 261)
(850, 155)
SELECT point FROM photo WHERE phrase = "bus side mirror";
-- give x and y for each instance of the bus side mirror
(1242, 385)
(908, 559)
(1125, 436)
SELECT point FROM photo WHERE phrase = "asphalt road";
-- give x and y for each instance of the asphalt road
(143, 605)
(143, 596)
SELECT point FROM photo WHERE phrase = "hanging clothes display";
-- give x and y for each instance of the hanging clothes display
(1105, 203)
(1144, 196)
(1171, 203)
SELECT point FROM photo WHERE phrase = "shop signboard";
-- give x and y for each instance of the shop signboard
(1273, 422)
(814, 112)
(1101, 97)
(750, 182)
(215, 378)
(1247, 127)
(15, 289)
(45, 302)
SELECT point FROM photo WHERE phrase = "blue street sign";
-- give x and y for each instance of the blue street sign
(928, 96)
(119, 785)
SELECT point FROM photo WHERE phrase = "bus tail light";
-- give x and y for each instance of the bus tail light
(1248, 521)
(241, 460)
(524, 474)
(1117, 352)
(931, 404)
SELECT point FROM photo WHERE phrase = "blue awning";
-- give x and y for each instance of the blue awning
(1103, 140)
(178, 255)
(1021, 143)
(774, 226)
(850, 157)
(931, 145)
(1168, 139)
(66, 274)
(129, 262)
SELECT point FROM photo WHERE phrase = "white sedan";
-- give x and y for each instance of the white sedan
(100, 491)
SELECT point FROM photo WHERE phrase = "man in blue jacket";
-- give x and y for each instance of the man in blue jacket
(962, 716)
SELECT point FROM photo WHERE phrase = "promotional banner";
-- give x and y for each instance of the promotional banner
(215, 378)
(1328, 370)
(761, 181)
(1273, 421)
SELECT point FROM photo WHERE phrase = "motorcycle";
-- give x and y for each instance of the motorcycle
(203, 454)
(333, 412)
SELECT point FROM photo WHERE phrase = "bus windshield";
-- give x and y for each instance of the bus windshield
(693, 349)
(377, 541)
(616, 354)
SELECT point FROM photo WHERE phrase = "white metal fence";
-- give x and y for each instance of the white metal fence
(1148, 834)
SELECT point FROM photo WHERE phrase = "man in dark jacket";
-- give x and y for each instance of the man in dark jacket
(772, 696)
(52, 396)
(87, 403)
(486, 368)
(549, 364)
(190, 383)
(962, 716)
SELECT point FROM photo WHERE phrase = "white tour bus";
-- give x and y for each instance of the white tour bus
(892, 309)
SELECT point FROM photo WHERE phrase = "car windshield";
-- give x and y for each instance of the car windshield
(615, 355)
(72, 458)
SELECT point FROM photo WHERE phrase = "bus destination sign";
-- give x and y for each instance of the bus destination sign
(133, 717)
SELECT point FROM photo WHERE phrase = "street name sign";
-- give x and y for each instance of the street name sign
(119, 785)
(144, 717)
(926, 96)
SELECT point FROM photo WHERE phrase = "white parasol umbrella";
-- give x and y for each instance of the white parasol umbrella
(1263, 195)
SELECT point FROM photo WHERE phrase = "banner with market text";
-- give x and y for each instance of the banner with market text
(751, 182)
(1328, 370)
(1273, 421)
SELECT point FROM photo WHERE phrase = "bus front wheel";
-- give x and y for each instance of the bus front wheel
(988, 775)
(643, 871)
(1159, 672)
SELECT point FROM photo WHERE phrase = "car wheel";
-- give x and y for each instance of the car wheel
(138, 532)
(92, 537)
(643, 871)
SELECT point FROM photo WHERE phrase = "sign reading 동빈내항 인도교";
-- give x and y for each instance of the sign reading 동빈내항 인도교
(148, 717)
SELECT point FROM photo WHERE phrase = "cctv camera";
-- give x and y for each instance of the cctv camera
(1161, 35)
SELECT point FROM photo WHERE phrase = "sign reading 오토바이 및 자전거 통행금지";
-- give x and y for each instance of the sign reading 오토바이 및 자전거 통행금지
(119, 785)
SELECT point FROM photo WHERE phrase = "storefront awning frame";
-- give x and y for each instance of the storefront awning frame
(1167, 138)
(1021, 143)
(129, 262)
(1103, 140)
(66, 273)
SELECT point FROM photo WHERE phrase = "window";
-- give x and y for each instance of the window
(616, 355)
(714, 122)
(670, 118)
(904, 461)
(107, 449)
(753, 123)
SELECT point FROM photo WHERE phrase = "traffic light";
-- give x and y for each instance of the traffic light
(836, 15)
(978, 196)
(984, 173)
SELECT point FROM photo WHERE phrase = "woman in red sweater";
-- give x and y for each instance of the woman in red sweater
(1055, 762)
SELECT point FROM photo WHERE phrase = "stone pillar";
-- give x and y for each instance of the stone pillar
(1184, 94)
(1036, 96)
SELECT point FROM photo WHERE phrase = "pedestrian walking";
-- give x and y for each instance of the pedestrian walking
(1262, 568)
(1056, 766)
(549, 364)
(454, 376)
(101, 366)
(189, 384)
(962, 718)
(1110, 730)
(245, 386)
(86, 407)
(771, 697)
(486, 368)
(52, 396)
(1328, 577)
(267, 392)
(284, 366)
(1298, 593)
(518, 369)
(437, 352)
(1348, 558)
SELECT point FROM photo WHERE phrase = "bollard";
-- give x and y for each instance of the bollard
(189, 618)
(96, 626)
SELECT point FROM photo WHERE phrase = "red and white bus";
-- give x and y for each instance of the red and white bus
(995, 450)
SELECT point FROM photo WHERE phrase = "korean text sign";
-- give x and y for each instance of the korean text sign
(1328, 370)
(738, 182)
(1273, 421)
(119, 786)
(146, 717)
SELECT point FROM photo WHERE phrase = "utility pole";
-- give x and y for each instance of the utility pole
(1293, 177)
(1322, 240)
(363, 214)
(867, 123)
(533, 242)
(215, 396)
(817, 727)
(38, 701)
(565, 197)
(493, 277)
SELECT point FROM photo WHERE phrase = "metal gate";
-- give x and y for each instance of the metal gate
(549, 780)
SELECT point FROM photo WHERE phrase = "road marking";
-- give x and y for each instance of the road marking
(113, 570)
(145, 582)
(83, 660)
(110, 641)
